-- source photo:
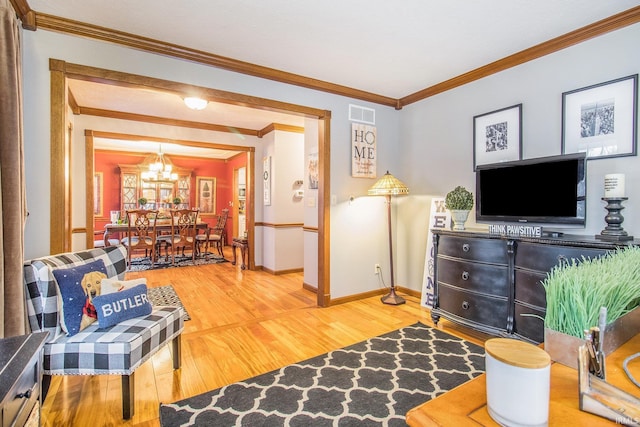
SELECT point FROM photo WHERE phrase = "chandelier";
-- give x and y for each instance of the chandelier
(159, 169)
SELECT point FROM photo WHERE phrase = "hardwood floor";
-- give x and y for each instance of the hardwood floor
(244, 323)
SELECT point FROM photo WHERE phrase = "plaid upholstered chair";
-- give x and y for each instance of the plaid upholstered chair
(115, 350)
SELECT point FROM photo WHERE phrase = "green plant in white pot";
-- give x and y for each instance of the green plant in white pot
(577, 290)
(460, 202)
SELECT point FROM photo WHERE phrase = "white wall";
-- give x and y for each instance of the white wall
(437, 135)
(283, 248)
(310, 207)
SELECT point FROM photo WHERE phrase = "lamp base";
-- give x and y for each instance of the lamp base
(392, 298)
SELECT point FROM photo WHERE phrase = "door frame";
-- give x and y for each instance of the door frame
(60, 173)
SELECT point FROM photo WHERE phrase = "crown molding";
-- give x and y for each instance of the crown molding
(612, 23)
(63, 25)
(25, 14)
(281, 127)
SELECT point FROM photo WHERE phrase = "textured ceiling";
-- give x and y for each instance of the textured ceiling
(392, 49)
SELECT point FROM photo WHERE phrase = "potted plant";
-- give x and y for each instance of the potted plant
(176, 201)
(459, 201)
(142, 201)
(576, 291)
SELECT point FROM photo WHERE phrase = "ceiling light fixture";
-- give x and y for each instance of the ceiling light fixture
(159, 170)
(195, 103)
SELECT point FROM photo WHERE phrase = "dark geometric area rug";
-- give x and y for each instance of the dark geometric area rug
(166, 295)
(372, 383)
(144, 263)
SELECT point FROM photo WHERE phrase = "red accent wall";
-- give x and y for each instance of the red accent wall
(107, 162)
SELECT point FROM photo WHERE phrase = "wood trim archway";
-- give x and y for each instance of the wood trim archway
(60, 174)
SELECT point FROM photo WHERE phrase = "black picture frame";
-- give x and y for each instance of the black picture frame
(497, 136)
(601, 119)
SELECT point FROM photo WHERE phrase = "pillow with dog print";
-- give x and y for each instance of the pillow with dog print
(110, 286)
(77, 287)
(127, 304)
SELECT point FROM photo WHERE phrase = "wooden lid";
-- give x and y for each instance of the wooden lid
(517, 353)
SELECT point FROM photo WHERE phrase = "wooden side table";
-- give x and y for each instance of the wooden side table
(243, 244)
(466, 405)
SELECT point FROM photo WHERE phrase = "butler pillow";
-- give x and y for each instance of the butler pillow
(110, 286)
(115, 307)
(77, 287)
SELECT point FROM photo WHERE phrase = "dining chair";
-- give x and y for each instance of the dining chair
(215, 236)
(98, 240)
(184, 229)
(141, 233)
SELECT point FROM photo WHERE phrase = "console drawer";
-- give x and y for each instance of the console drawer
(539, 257)
(482, 278)
(483, 310)
(529, 326)
(529, 288)
(22, 397)
(483, 250)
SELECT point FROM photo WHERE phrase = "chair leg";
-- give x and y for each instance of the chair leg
(176, 344)
(128, 396)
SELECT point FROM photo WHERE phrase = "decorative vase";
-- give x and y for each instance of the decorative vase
(459, 217)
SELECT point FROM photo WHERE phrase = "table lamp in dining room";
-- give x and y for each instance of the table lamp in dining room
(389, 186)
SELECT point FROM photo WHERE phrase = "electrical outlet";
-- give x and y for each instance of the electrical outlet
(376, 268)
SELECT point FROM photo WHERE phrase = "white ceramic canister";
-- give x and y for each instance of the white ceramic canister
(517, 382)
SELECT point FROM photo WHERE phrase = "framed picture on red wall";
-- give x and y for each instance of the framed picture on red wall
(206, 195)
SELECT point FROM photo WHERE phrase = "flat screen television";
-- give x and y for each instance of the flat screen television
(545, 190)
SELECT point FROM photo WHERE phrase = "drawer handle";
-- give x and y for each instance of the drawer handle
(465, 275)
(465, 305)
(466, 247)
(25, 395)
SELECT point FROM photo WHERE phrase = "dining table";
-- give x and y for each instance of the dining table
(111, 228)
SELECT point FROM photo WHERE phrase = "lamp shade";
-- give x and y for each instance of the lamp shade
(388, 185)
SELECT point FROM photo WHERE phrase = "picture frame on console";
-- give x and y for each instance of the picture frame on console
(497, 136)
(601, 120)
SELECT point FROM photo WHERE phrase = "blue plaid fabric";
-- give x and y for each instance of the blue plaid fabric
(119, 349)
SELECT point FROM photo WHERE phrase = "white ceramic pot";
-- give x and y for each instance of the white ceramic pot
(459, 217)
(518, 380)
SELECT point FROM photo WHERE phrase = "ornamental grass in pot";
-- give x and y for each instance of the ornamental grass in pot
(577, 290)
(459, 201)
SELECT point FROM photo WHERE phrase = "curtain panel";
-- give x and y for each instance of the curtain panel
(12, 191)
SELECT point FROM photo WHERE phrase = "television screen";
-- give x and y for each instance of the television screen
(546, 190)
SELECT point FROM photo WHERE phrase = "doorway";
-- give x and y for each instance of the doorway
(61, 171)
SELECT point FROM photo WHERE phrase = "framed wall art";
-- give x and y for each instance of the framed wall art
(497, 136)
(314, 172)
(601, 120)
(206, 195)
(363, 151)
